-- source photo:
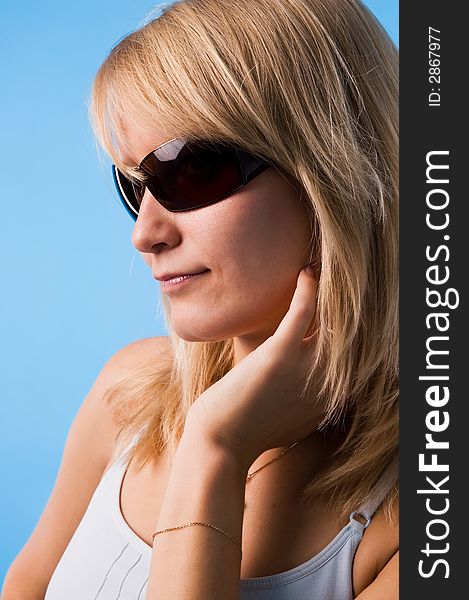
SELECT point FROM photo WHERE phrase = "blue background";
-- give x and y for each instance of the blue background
(74, 289)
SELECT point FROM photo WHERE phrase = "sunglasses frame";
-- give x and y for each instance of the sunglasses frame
(249, 167)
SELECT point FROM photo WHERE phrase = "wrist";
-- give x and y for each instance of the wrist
(208, 483)
(197, 444)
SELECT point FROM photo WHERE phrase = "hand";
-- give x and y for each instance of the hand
(257, 405)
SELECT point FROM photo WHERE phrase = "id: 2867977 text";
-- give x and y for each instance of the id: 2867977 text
(434, 70)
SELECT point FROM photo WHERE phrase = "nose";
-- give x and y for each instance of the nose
(155, 226)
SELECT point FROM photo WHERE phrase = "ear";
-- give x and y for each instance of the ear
(313, 272)
(314, 266)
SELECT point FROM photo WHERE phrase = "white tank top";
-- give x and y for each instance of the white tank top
(106, 560)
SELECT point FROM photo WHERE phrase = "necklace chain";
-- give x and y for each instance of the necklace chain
(251, 475)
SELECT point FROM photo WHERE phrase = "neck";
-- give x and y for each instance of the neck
(242, 346)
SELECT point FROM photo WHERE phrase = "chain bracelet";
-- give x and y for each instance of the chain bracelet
(237, 544)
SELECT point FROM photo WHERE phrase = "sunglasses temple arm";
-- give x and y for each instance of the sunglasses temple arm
(121, 193)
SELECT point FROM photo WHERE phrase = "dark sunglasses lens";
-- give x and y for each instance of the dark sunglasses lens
(196, 176)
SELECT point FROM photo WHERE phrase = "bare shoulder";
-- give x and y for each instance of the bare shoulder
(124, 361)
(376, 551)
(95, 412)
(131, 355)
(88, 449)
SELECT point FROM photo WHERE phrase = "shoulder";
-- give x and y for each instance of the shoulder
(380, 543)
(132, 355)
(125, 380)
(96, 414)
(146, 346)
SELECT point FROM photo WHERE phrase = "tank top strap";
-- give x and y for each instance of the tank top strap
(378, 492)
(122, 456)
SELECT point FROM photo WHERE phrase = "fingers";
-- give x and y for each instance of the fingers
(296, 323)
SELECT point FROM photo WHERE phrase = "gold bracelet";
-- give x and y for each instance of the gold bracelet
(238, 545)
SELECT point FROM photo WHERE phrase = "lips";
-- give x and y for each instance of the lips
(170, 282)
(169, 276)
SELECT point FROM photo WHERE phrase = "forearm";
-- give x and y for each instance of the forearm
(198, 563)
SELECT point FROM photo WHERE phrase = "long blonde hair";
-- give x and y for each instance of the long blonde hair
(311, 86)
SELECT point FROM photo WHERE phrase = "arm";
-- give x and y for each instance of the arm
(87, 452)
(386, 584)
(206, 484)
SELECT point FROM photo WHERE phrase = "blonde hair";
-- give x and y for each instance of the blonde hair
(311, 86)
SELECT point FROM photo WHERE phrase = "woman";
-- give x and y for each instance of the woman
(255, 146)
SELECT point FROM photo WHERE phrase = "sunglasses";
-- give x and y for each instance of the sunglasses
(183, 175)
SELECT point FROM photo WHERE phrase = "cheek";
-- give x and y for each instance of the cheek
(267, 237)
(264, 244)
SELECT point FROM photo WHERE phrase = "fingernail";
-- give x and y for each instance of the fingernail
(309, 269)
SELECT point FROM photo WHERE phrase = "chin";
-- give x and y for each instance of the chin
(201, 329)
(189, 336)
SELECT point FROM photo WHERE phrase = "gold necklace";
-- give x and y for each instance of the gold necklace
(251, 475)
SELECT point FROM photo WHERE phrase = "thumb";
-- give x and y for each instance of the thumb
(296, 323)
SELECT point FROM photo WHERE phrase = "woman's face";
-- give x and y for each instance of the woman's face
(251, 245)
